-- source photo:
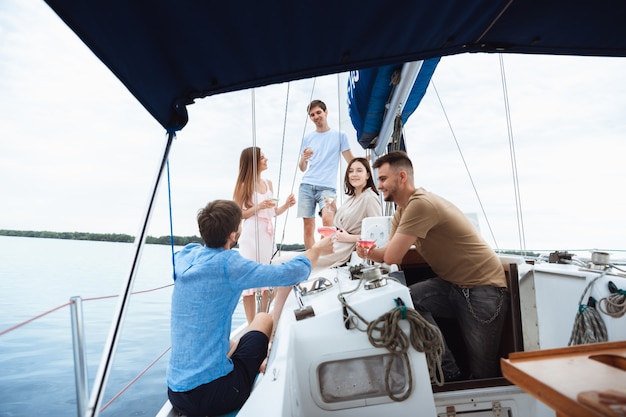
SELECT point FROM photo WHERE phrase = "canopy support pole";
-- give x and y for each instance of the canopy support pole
(106, 361)
(410, 71)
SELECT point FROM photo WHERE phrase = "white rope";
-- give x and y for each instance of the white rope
(613, 305)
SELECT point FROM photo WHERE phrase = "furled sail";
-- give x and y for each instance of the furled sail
(369, 92)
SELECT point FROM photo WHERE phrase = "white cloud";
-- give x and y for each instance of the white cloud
(78, 152)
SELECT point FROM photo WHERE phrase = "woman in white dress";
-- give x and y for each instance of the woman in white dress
(255, 195)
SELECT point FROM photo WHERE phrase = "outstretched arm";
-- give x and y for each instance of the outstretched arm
(323, 246)
(393, 252)
(291, 201)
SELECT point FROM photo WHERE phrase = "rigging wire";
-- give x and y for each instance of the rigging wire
(339, 195)
(258, 296)
(509, 124)
(280, 175)
(169, 200)
(255, 164)
(295, 171)
(465, 164)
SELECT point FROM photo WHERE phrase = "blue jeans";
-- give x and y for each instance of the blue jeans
(480, 313)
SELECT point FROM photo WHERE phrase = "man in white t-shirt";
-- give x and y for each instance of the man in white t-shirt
(321, 151)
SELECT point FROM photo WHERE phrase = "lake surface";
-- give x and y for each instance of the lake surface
(36, 360)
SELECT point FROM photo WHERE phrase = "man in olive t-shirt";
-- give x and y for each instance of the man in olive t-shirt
(470, 286)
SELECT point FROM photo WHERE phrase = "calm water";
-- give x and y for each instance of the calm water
(36, 360)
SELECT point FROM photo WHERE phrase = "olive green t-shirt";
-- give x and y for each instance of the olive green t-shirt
(448, 241)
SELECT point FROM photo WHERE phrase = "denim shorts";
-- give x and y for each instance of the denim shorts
(309, 196)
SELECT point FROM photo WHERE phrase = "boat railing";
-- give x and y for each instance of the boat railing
(78, 344)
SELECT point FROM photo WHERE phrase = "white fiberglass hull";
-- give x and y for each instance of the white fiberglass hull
(294, 385)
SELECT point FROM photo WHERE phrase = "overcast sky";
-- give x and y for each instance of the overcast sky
(79, 153)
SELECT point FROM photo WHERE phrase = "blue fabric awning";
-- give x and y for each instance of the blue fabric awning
(369, 91)
(169, 53)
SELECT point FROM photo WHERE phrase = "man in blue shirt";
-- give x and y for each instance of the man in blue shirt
(207, 374)
(321, 151)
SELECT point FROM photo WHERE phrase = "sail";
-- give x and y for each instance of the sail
(369, 92)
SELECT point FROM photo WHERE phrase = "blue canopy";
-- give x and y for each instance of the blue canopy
(168, 53)
(369, 91)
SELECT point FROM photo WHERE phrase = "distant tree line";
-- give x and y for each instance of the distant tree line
(518, 252)
(119, 237)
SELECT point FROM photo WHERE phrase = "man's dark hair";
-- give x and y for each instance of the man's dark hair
(395, 159)
(217, 221)
(316, 103)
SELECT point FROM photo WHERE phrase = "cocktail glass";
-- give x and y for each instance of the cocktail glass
(327, 231)
(367, 245)
(329, 197)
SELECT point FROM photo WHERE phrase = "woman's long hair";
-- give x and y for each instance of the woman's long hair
(348, 188)
(244, 187)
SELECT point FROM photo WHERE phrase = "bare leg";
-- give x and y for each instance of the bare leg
(281, 296)
(266, 300)
(249, 306)
(309, 230)
(328, 217)
(262, 322)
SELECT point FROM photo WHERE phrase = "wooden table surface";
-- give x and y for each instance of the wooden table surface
(561, 378)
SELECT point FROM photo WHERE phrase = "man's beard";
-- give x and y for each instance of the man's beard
(388, 196)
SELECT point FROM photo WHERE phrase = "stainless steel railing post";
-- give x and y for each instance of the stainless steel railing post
(80, 364)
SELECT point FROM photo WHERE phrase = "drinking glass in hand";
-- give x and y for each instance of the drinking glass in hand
(367, 245)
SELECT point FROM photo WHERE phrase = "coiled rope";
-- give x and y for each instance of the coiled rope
(615, 304)
(385, 332)
(588, 325)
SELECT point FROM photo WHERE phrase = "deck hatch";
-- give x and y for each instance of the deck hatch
(360, 378)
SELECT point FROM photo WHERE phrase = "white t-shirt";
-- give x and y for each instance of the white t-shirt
(323, 165)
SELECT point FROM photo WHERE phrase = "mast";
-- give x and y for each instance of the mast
(408, 76)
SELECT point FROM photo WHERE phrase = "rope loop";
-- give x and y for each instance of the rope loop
(614, 305)
(386, 332)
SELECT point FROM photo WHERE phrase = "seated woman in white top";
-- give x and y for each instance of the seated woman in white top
(362, 201)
